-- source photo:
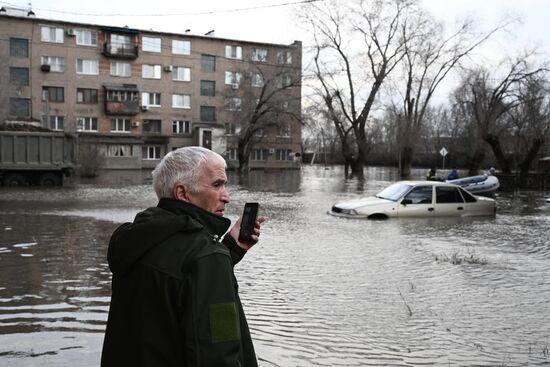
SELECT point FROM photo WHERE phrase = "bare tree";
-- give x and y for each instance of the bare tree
(350, 76)
(267, 105)
(530, 121)
(430, 54)
(488, 99)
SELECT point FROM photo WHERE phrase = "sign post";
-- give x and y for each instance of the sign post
(443, 153)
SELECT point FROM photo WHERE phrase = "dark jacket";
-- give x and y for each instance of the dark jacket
(174, 297)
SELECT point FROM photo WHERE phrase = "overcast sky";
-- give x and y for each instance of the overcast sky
(273, 20)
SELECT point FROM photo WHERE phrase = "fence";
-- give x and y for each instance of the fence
(531, 181)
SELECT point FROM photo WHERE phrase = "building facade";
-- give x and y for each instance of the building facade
(133, 95)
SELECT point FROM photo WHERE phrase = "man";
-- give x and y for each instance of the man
(174, 295)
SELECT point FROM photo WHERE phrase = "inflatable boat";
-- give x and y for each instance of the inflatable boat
(485, 185)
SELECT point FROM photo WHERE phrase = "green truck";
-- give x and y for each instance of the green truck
(35, 158)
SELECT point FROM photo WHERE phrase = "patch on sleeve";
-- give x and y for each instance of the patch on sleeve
(224, 322)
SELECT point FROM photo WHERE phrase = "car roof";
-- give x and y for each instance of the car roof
(433, 183)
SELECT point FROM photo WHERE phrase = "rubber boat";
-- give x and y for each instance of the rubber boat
(478, 185)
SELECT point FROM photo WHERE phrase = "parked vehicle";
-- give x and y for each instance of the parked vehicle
(35, 158)
(479, 185)
(417, 199)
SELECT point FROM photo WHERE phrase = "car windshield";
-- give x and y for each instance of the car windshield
(394, 192)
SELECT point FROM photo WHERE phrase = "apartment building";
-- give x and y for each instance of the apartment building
(134, 94)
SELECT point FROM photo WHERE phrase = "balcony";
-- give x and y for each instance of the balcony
(121, 99)
(120, 51)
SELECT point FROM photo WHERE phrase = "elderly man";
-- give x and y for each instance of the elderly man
(174, 295)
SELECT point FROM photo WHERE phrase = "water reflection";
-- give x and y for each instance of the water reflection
(318, 290)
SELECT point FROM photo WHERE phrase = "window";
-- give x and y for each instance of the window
(151, 44)
(231, 154)
(284, 57)
(181, 127)
(232, 128)
(233, 52)
(232, 78)
(181, 101)
(208, 63)
(86, 37)
(181, 47)
(121, 96)
(53, 94)
(20, 107)
(151, 152)
(285, 81)
(85, 95)
(150, 71)
(120, 43)
(258, 155)
(150, 99)
(57, 63)
(284, 131)
(257, 80)
(121, 69)
(119, 150)
(19, 76)
(86, 123)
(447, 195)
(19, 47)
(151, 126)
(420, 195)
(51, 34)
(120, 125)
(259, 54)
(52, 122)
(283, 154)
(181, 74)
(89, 67)
(208, 88)
(259, 132)
(208, 113)
(233, 104)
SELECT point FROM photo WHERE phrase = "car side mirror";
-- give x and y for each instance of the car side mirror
(406, 201)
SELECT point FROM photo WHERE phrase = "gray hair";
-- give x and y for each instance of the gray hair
(181, 166)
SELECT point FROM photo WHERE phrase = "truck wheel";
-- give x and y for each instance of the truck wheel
(49, 179)
(14, 179)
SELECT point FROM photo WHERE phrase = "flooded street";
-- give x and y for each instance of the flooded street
(318, 290)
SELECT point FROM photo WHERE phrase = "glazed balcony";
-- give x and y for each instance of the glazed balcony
(120, 51)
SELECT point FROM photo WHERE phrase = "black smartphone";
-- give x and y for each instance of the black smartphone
(250, 214)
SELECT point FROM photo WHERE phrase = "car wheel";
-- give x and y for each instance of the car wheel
(14, 180)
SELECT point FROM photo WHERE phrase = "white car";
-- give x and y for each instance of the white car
(417, 199)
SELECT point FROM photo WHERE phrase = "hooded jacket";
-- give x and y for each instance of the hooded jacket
(174, 296)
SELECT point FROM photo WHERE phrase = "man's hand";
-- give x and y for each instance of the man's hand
(234, 232)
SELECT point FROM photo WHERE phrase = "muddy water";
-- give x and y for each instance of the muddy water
(318, 290)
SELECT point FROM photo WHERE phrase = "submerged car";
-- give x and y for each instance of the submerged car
(417, 199)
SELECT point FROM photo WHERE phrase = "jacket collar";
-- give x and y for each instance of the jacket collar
(213, 223)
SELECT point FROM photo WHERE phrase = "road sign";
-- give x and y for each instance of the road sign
(443, 152)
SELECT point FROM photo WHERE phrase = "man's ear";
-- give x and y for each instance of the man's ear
(180, 193)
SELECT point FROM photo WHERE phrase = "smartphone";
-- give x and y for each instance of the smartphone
(250, 214)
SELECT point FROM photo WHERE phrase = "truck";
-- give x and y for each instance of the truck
(35, 158)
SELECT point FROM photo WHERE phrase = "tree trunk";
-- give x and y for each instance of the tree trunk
(406, 162)
(503, 162)
(474, 161)
(529, 157)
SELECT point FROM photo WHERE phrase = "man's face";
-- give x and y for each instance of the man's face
(211, 188)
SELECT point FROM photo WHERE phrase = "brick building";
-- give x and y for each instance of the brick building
(136, 94)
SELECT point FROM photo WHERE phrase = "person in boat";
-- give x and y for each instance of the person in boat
(453, 175)
(491, 172)
(432, 175)
(175, 299)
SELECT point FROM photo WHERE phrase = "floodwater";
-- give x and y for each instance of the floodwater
(317, 290)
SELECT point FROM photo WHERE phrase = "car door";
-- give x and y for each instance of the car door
(448, 202)
(418, 202)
